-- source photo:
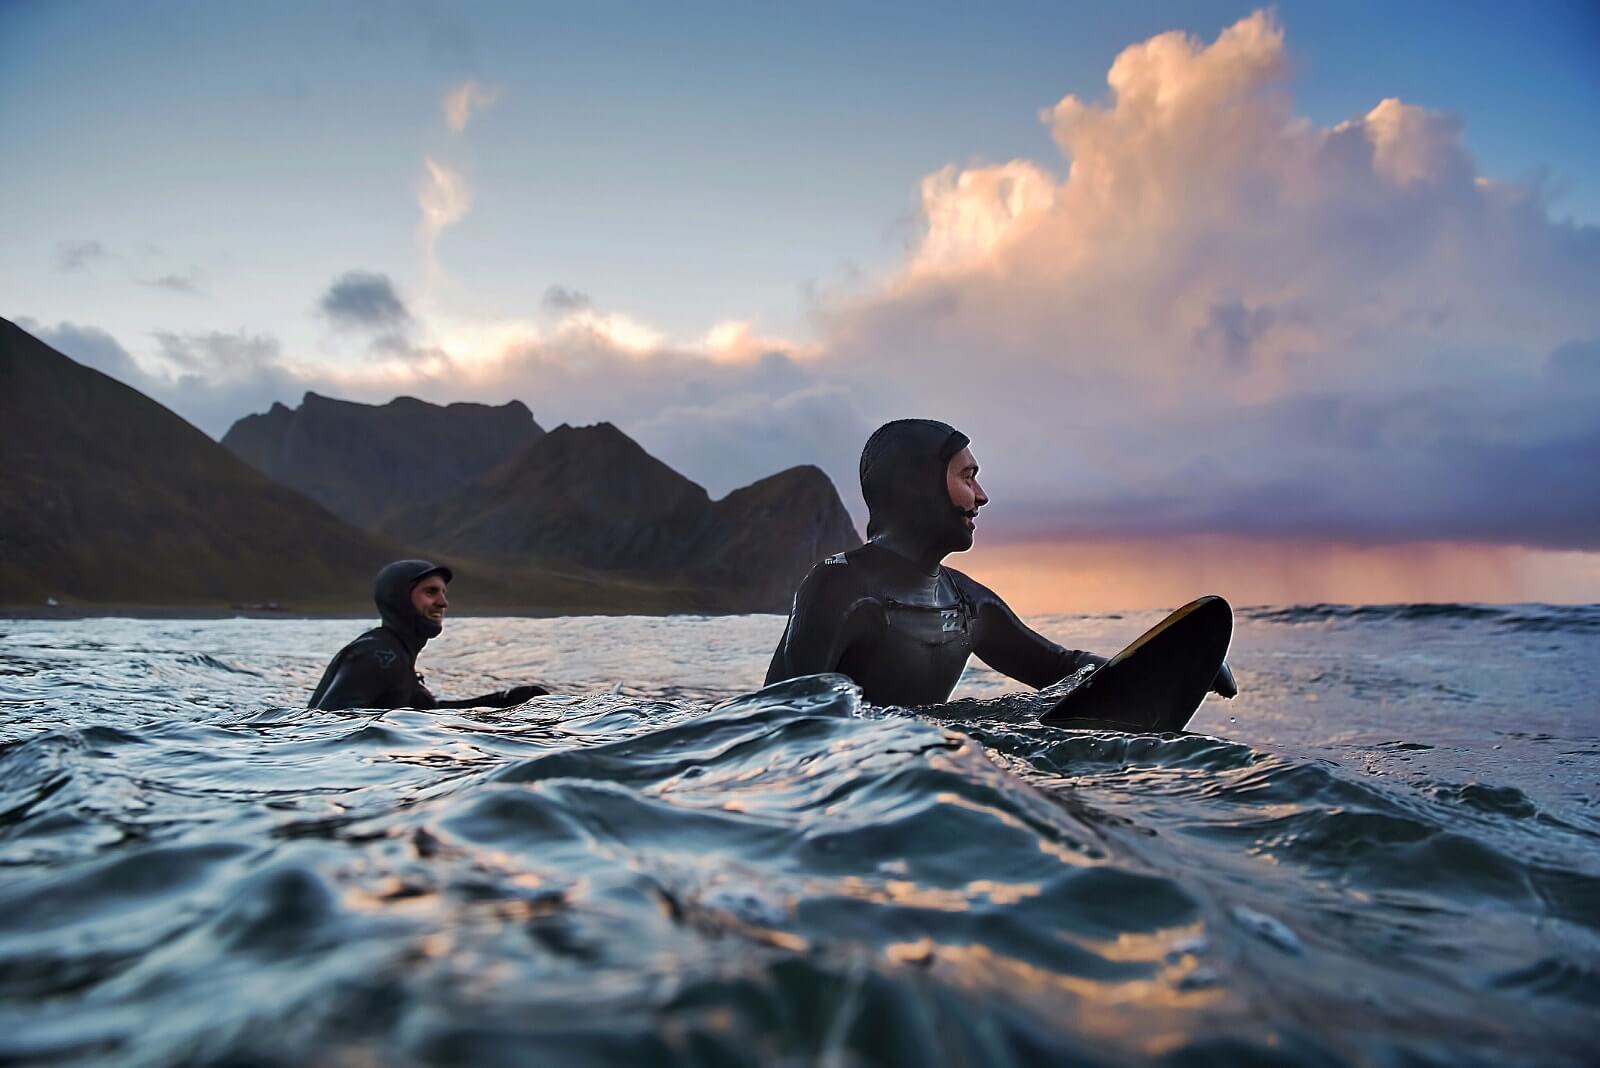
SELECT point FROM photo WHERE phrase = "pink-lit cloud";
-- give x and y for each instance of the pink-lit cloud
(464, 101)
(443, 199)
(1224, 319)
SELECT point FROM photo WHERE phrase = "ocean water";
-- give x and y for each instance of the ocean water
(1386, 851)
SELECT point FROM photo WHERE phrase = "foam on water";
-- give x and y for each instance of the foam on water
(1387, 850)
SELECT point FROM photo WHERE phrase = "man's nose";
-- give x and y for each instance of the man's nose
(979, 497)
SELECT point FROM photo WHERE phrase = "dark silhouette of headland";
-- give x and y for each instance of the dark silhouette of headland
(592, 498)
(111, 502)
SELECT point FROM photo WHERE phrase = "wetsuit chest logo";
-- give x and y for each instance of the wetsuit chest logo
(928, 624)
(384, 657)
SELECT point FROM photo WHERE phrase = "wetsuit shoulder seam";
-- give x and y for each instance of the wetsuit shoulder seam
(971, 589)
(827, 575)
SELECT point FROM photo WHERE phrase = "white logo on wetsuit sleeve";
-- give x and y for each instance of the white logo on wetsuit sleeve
(836, 558)
(951, 618)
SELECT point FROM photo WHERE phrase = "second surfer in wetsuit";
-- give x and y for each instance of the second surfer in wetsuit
(889, 615)
(379, 669)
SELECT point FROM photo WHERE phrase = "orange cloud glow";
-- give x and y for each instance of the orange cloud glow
(1132, 574)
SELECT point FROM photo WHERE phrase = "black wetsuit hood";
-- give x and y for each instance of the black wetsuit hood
(392, 594)
(903, 481)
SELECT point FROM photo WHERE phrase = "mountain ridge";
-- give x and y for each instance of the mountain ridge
(363, 461)
(107, 498)
(593, 498)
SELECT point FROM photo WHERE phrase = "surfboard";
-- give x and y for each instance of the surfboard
(1158, 682)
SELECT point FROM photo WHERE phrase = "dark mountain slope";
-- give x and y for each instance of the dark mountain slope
(592, 498)
(107, 496)
(767, 535)
(586, 496)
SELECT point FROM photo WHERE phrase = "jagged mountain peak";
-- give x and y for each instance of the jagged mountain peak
(366, 461)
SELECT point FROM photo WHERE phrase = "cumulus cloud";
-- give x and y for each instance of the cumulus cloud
(738, 341)
(590, 328)
(1214, 316)
(466, 99)
(401, 356)
(216, 354)
(77, 255)
(364, 300)
(560, 299)
(969, 213)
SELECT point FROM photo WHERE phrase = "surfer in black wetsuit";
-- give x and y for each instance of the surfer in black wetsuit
(379, 669)
(889, 614)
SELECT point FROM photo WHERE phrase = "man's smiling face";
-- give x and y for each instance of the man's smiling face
(961, 481)
(429, 600)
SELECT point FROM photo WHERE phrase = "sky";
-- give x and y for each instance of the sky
(1289, 303)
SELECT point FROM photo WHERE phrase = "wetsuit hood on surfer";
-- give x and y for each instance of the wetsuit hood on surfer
(392, 593)
(905, 482)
